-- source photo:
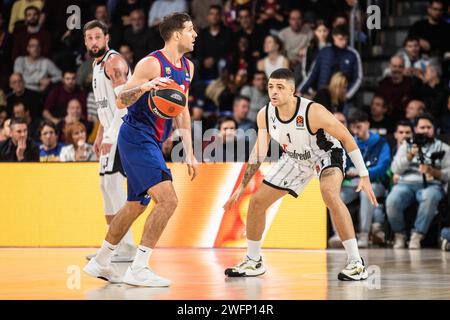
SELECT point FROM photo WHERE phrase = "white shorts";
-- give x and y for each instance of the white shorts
(293, 175)
(110, 163)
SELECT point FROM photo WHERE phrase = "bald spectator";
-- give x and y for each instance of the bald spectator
(18, 92)
(19, 148)
(296, 36)
(413, 109)
(32, 28)
(38, 72)
(257, 93)
(141, 39)
(60, 95)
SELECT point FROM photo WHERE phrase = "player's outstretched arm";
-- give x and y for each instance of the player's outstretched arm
(256, 158)
(146, 77)
(320, 118)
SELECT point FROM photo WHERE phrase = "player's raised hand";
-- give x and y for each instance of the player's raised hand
(364, 185)
(234, 198)
(155, 84)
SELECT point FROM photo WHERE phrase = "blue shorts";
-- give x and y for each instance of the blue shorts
(142, 161)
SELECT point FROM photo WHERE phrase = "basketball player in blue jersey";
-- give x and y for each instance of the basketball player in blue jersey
(140, 142)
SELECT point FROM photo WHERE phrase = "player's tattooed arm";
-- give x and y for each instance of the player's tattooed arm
(130, 96)
(117, 70)
(252, 167)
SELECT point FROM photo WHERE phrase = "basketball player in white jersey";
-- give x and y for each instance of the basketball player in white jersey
(110, 73)
(313, 141)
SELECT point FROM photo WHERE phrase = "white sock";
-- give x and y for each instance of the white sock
(128, 238)
(254, 249)
(142, 256)
(103, 256)
(351, 247)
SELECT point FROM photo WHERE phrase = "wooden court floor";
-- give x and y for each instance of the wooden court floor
(55, 273)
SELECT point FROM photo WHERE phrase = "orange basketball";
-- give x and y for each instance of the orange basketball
(167, 102)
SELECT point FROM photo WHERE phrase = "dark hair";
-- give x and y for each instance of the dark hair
(239, 98)
(430, 2)
(69, 71)
(277, 41)
(47, 123)
(20, 102)
(357, 116)
(340, 31)
(257, 72)
(172, 23)
(216, 7)
(282, 73)
(95, 24)
(244, 9)
(32, 8)
(18, 120)
(404, 123)
(410, 38)
(380, 97)
(221, 120)
(426, 116)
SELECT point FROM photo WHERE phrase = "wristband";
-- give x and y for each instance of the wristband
(358, 161)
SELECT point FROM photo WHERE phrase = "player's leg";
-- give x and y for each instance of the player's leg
(166, 201)
(330, 186)
(252, 265)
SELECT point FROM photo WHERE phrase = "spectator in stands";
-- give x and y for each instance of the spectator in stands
(403, 130)
(296, 37)
(257, 93)
(141, 39)
(115, 30)
(20, 93)
(340, 19)
(333, 96)
(200, 11)
(379, 120)
(432, 31)
(269, 15)
(273, 48)
(413, 109)
(20, 110)
(241, 108)
(32, 28)
(84, 73)
(3, 114)
(338, 57)
(59, 96)
(18, 12)
(433, 91)
(73, 114)
(214, 43)
(240, 61)
(38, 72)
(5, 52)
(50, 148)
(5, 130)
(377, 156)
(128, 54)
(410, 187)
(397, 89)
(254, 34)
(122, 12)
(77, 149)
(19, 148)
(162, 8)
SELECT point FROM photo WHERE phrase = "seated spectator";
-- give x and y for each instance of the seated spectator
(18, 148)
(269, 15)
(296, 37)
(403, 130)
(396, 89)
(38, 72)
(274, 60)
(413, 109)
(5, 130)
(59, 96)
(415, 62)
(84, 73)
(200, 11)
(20, 110)
(377, 156)
(162, 8)
(338, 57)
(254, 34)
(141, 39)
(241, 108)
(411, 188)
(3, 114)
(433, 91)
(433, 30)
(18, 12)
(333, 96)
(257, 93)
(30, 98)
(122, 12)
(379, 121)
(240, 61)
(5, 52)
(73, 114)
(50, 148)
(214, 43)
(77, 148)
(32, 28)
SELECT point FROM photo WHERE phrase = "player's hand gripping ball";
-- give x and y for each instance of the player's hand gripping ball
(168, 101)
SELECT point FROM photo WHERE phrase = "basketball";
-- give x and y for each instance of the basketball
(167, 102)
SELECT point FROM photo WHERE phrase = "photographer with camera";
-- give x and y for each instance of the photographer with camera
(423, 166)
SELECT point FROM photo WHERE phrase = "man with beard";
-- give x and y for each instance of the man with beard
(110, 73)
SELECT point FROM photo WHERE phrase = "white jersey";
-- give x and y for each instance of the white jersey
(105, 98)
(295, 136)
